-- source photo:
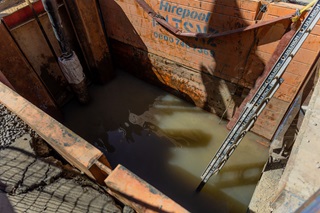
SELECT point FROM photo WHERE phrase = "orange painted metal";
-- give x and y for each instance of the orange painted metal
(21, 75)
(32, 37)
(196, 54)
(179, 32)
(135, 192)
(276, 54)
(122, 183)
(23, 15)
(70, 146)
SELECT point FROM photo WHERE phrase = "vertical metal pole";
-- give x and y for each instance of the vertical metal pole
(68, 61)
(52, 9)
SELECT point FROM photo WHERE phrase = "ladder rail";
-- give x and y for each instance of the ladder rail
(236, 135)
(260, 99)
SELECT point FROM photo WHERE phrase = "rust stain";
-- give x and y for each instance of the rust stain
(92, 39)
(137, 193)
(160, 57)
(13, 65)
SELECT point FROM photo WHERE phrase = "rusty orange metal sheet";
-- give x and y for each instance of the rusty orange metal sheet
(31, 40)
(137, 193)
(22, 77)
(34, 46)
(70, 146)
(277, 53)
(213, 73)
(223, 57)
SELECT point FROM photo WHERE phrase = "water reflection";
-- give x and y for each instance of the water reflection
(168, 143)
(173, 142)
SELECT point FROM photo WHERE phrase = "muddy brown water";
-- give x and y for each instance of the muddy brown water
(167, 142)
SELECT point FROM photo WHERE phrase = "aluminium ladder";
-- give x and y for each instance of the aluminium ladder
(260, 99)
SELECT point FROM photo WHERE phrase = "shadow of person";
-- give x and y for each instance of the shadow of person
(5, 205)
(116, 22)
(233, 64)
(148, 157)
(233, 60)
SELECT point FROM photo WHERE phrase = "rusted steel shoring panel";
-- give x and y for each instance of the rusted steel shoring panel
(38, 50)
(5, 81)
(276, 54)
(217, 59)
(178, 32)
(22, 77)
(87, 25)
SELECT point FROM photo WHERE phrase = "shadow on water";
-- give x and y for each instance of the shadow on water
(146, 130)
(149, 158)
(232, 58)
(235, 63)
(127, 119)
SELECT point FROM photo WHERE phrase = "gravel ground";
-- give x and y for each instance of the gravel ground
(12, 127)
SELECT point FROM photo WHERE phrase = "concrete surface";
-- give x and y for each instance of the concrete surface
(265, 191)
(300, 179)
(286, 187)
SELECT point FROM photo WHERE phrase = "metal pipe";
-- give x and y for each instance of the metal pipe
(68, 61)
(51, 7)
